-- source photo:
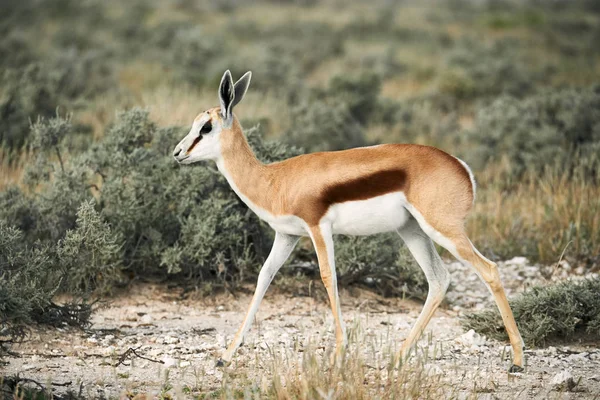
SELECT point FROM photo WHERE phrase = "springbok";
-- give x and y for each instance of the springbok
(420, 192)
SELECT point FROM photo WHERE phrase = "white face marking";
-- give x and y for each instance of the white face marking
(208, 148)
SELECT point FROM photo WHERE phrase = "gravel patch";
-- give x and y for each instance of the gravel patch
(150, 341)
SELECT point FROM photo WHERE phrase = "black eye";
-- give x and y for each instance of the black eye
(206, 128)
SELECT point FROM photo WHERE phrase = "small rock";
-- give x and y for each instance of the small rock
(517, 261)
(221, 340)
(146, 319)
(169, 362)
(155, 352)
(471, 338)
(185, 364)
(170, 340)
(92, 340)
(107, 351)
(563, 381)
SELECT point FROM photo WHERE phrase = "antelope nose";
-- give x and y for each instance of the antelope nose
(177, 152)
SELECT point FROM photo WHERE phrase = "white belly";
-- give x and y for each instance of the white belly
(367, 217)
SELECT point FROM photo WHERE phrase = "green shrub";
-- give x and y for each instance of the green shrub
(29, 280)
(358, 93)
(381, 262)
(91, 253)
(323, 125)
(40, 90)
(474, 70)
(552, 128)
(545, 313)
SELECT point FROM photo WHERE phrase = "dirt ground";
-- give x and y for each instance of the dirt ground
(177, 341)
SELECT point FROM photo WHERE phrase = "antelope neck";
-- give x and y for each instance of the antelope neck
(247, 176)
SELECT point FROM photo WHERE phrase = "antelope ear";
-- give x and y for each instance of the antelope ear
(226, 95)
(240, 88)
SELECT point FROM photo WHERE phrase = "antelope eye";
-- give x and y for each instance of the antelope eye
(206, 128)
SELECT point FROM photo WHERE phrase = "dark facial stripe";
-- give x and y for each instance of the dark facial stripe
(194, 143)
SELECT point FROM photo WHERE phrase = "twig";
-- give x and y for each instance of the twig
(130, 351)
(559, 260)
(203, 331)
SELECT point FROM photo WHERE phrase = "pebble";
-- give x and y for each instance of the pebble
(169, 362)
(146, 319)
(221, 340)
(563, 381)
(170, 340)
(471, 339)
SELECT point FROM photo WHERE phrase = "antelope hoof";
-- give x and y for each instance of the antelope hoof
(220, 363)
(515, 369)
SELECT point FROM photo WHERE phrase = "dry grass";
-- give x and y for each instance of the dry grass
(540, 217)
(365, 371)
(11, 170)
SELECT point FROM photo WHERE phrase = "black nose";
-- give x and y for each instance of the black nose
(176, 153)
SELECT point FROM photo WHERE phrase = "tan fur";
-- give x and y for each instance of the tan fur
(434, 182)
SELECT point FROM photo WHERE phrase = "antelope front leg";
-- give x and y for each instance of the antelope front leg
(282, 247)
(323, 241)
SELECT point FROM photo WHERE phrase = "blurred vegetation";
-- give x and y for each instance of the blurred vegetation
(90, 195)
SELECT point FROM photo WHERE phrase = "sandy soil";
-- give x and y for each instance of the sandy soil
(181, 340)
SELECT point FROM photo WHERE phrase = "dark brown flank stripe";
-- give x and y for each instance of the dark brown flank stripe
(362, 188)
(366, 187)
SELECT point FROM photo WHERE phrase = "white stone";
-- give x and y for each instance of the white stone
(170, 340)
(221, 340)
(155, 352)
(146, 319)
(562, 380)
(471, 338)
(517, 261)
(169, 362)
(107, 351)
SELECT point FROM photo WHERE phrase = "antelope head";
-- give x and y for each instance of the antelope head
(203, 140)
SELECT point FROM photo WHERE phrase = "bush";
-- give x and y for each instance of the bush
(358, 93)
(380, 262)
(33, 92)
(555, 127)
(28, 282)
(474, 70)
(319, 126)
(151, 211)
(91, 253)
(546, 313)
